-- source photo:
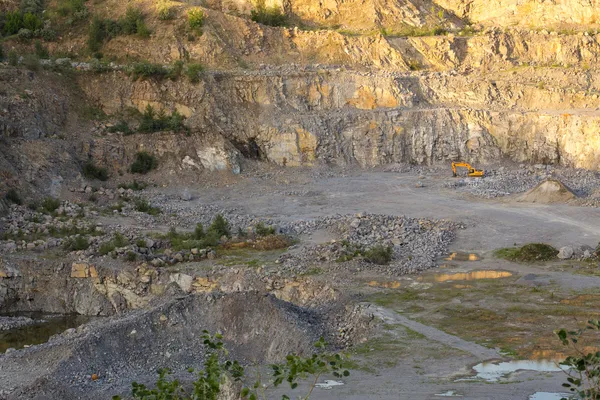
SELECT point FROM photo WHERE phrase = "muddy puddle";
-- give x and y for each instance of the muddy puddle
(43, 327)
(465, 276)
(462, 256)
(548, 396)
(492, 372)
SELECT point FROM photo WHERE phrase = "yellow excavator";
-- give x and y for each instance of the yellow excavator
(472, 172)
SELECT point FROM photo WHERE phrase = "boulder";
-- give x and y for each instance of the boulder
(565, 252)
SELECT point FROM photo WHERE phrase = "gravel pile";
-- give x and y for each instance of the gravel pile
(502, 181)
(416, 243)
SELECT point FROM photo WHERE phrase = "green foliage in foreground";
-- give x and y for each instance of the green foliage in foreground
(219, 369)
(529, 253)
(582, 369)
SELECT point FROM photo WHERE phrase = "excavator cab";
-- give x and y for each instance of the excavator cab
(471, 172)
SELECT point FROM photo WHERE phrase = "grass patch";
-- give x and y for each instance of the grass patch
(381, 255)
(531, 252)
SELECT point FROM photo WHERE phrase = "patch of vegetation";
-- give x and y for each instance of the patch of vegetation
(195, 18)
(121, 126)
(13, 197)
(164, 11)
(50, 205)
(142, 205)
(415, 31)
(271, 242)
(135, 186)
(118, 241)
(31, 62)
(263, 230)
(75, 9)
(144, 70)
(101, 31)
(144, 163)
(13, 58)
(218, 368)
(582, 369)
(193, 72)
(155, 122)
(41, 51)
(531, 252)
(91, 171)
(14, 21)
(379, 254)
(220, 226)
(272, 16)
(77, 243)
(130, 256)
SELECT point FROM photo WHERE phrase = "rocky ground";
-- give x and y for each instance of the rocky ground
(304, 237)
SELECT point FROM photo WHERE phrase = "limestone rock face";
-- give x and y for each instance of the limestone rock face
(354, 118)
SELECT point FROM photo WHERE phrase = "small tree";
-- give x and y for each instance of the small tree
(220, 226)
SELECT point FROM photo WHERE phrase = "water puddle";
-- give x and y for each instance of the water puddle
(45, 326)
(328, 385)
(548, 396)
(449, 393)
(492, 372)
(462, 256)
(466, 276)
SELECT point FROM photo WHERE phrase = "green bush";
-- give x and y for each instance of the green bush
(263, 230)
(50, 204)
(379, 254)
(220, 226)
(31, 62)
(1, 53)
(121, 126)
(13, 58)
(106, 248)
(13, 21)
(142, 205)
(144, 163)
(193, 72)
(199, 232)
(32, 22)
(133, 23)
(165, 12)
(119, 240)
(74, 8)
(272, 16)
(41, 51)
(152, 122)
(91, 171)
(78, 243)
(176, 70)
(136, 186)
(144, 70)
(130, 256)
(31, 6)
(218, 368)
(529, 253)
(195, 18)
(13, 197)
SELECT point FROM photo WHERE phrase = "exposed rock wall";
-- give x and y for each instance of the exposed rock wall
(366, 119)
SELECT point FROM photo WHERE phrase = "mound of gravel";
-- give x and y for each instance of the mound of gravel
(255, 327)
(416, 243)
(548, 192)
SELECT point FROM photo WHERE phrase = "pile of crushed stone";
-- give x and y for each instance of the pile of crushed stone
(416, 243)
